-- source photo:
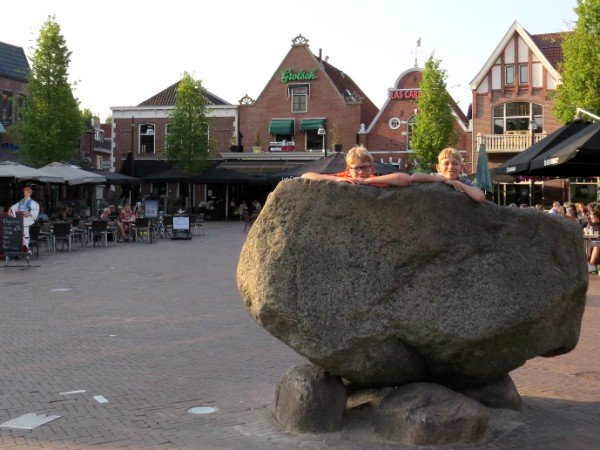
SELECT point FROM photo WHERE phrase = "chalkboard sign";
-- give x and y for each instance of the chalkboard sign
(11, 231)
(181, 227)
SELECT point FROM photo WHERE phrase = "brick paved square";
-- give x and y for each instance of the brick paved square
(158, 329)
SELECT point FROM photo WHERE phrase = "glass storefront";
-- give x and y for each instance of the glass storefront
(583, 190)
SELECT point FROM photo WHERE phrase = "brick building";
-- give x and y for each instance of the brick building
(14, 70)
(139, 136)
(512, 109)
(304, 94)
(388, 137)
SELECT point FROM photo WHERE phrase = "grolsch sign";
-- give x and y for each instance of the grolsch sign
(288, 75)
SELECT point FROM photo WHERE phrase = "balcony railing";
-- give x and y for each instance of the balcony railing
(508, 143)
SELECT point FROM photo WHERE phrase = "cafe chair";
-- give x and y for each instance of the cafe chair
(196, 224)
(36, 239)
(62, 233)
(99, 232)
(141, 229)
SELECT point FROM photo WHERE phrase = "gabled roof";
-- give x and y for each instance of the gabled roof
(347, 87)
(13, 62)
(167, 98)
(548, 46)
(458, 113)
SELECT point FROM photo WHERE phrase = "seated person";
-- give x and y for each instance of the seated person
(107, 212)
(126, 219)
(360, 169)
(63, 215)
(449, 169)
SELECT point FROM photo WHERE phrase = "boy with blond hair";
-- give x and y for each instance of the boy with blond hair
(360, 169)
(449, 169)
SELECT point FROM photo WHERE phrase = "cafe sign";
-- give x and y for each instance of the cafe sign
(288, 75)
(404, 94)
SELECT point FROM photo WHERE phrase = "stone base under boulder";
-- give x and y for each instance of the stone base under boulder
(430, 414)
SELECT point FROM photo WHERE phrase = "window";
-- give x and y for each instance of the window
(299, 96)
(167, 126)
(523, 74)
(510, 75)
(6, 107)
(515, 117)
(394, 123)
(21, 100)
(147, 138)
(412, 120)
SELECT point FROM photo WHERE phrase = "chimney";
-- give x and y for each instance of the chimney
(320, 54)
(96, 121)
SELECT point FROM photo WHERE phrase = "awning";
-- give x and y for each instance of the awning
(311, 124)
(281, 126)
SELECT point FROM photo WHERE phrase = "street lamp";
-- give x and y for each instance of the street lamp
(321, 132)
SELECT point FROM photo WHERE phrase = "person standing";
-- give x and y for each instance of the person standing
(29, 209)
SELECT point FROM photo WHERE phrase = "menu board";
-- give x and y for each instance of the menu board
(11, 232)
(151, 209)
(181, 227)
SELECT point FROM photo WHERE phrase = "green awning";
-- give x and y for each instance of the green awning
(311, 124)
(281, 126)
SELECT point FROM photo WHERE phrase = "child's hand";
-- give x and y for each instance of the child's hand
(457, 185)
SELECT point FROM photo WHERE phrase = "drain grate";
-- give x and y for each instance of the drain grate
(28, 421)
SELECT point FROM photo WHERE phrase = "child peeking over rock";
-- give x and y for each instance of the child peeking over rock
(360, 169)
(449, 169)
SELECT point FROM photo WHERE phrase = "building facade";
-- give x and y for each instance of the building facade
(388, 137)
(513, 97)
(14, 70)
(306, 93)
(139, 138)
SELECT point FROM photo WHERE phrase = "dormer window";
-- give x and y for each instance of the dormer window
(523, 74)
(509, 75)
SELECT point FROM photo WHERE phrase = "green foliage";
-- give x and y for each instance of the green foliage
(580, 69)
(109, 119)
(52, 123)
(188, 143)
(257, 139)
(434, 127)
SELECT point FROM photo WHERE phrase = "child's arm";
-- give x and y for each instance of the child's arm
(426, 178)
(391, 179)
(326, 177)
(473, 192)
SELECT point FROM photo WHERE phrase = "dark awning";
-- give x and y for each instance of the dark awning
(281, 126)
(116, 177)
(311, 124)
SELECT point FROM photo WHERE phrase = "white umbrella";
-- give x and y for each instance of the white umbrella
(20, 172)
(73, 175)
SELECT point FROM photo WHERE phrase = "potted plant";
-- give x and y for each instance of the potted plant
(335, 138)
(233, 144)
(256, 146)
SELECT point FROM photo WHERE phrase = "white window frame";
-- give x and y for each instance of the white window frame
(146, 134)
(509, 69)
(394, 123)
(292, 94)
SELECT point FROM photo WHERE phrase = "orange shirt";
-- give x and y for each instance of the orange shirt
(346, 174)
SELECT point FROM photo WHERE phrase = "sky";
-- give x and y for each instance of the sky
(126, 51)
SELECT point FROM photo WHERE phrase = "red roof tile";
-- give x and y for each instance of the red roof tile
(551, 46)
(347, 87)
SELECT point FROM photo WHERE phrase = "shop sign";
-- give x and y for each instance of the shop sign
(405, 94)
(288, 75)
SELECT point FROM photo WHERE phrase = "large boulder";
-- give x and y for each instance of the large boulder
(389, 286)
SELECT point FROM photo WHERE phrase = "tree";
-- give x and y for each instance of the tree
(434, 127)
(580, 68)
(52, 124)
(187, 141)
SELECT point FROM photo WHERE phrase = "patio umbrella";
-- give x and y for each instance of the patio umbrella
(327, 165)
(117, 178)
(520, 163)
(577, 156)
(19, 172)
(483, 177)
(73, 175)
